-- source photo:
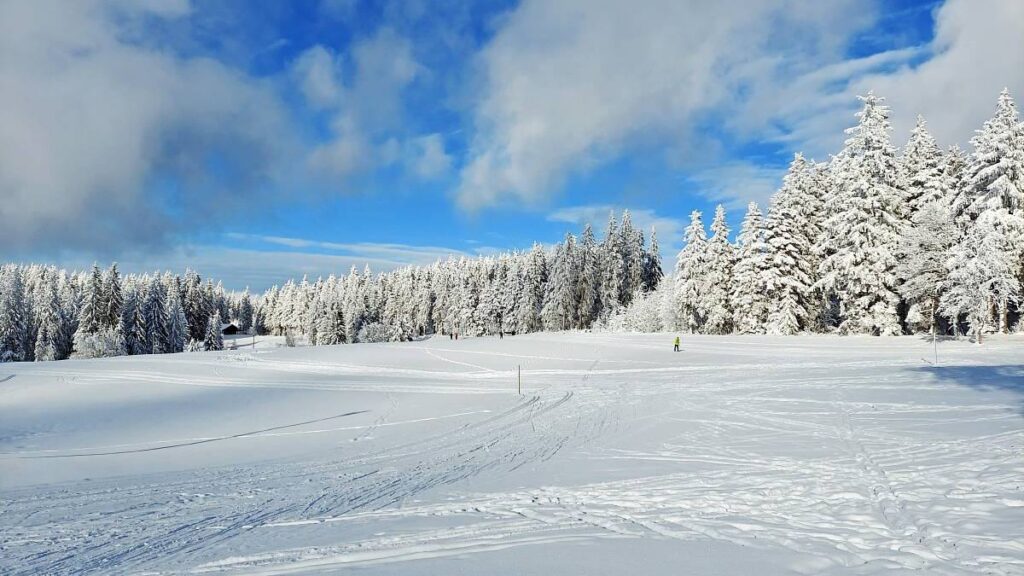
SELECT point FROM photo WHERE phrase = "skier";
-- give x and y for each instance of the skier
(501, 334)
(675, 345)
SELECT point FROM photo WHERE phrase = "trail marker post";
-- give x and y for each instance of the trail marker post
(519, 378)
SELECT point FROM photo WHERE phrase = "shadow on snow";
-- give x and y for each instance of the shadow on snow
(1007, 377)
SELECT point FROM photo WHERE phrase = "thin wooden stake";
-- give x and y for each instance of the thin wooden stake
(519, 369)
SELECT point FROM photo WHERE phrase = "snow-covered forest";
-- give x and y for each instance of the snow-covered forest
(874, 241)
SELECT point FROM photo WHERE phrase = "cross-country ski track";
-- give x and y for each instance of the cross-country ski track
(774, 455)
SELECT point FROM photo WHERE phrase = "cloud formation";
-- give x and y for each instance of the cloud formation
(107, 142)
(367, 112)
(568, 86)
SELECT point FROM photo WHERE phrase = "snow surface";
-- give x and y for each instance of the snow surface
(739, 455)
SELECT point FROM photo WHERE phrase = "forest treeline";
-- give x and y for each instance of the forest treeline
(876, 240)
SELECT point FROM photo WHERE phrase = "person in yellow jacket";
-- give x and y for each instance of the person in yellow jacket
(675, 345)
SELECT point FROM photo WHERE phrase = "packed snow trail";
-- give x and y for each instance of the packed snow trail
(781, 455)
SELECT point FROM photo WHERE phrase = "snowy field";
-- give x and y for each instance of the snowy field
(739, 455)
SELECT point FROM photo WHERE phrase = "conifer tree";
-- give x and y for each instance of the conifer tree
(790, 261)
(154, 309)
(588, 286)
(613, 273)
(994, 179)
(691, 270)
(91, 317)
(177, 324)
(921, 167)
(750, 306)
(980, 275)
(532, 294)
(718, 279)
(113, 298)
(922, 267)
(213, 339)
(136, 333)
(860, 265)
(652, 264)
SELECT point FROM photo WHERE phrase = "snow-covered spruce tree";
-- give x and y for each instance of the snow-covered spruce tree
(613, 272)
(213, 339)
(747, 293)
(994, 179)
(588, 285)
(980, 275)
(14, 322)
(136, 334)
(93, 313)
(47, 346)
(652, 264)
(532, 294)
(196, 308)
(790, 260)
(559, 310)
(922, 268)
(245, 312)
(154, 309)
(860, 262)
(113, 298)
(959, 196)
(921, 167)
(691, 271)
(177, 324)
(631, 246)
(721, 258)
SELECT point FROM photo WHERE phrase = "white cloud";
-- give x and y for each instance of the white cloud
(568, 85)
(978, 50)
(428, 159)
(91, 124)
(317, 72)
(263, 261)
(735, 184)
(368, 112)
(389, 255)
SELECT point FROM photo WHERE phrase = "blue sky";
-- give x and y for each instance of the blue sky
(262, 140)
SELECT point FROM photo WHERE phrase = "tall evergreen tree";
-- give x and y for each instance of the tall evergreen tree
(14, 322)
(750, 305)
(921, 167)
(922, 267)
(995, 182)
(860, 265)
(154, 309)
(177, 324)
(213, 339)
(92, 316)
(136, 334)
(588, 286)
(790, 265)
(980, 275)
(653, 272)
(113, 298)
(613, 272)
(691, 270)
(721, 258)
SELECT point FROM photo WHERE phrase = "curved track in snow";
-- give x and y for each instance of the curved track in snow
(816, 455)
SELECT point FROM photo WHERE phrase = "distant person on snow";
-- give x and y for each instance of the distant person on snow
(675, 345)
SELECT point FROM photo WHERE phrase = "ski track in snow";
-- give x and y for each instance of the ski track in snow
(839, 449)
